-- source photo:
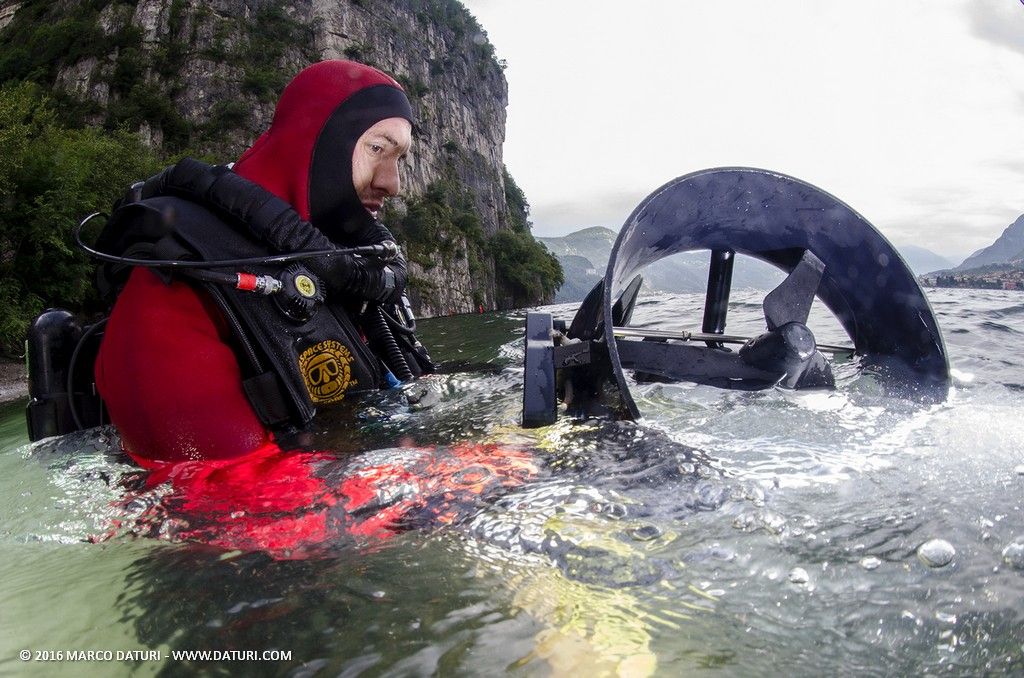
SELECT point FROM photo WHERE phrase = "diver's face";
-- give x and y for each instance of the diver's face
(375, 161)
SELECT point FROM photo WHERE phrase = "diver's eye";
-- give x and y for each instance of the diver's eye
(376, 149)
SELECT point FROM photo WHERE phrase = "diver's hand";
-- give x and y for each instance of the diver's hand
(384, 284)
(348, 275)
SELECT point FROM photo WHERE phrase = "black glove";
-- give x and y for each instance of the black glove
(365, 278)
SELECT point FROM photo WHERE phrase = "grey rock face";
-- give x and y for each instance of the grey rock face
(435, 49)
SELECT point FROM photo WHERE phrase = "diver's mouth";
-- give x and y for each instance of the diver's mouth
(373, 206)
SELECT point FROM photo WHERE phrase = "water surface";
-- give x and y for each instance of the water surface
(745, 533)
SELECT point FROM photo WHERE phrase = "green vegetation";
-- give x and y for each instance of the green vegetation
(436, 223)
(52, 176)
(356, 52)
(67, 152)
(57, 168)
(439, 226)
(452, 15)
(40, 40)
(529, 270)
(439, 222)
(265, 42)
(515, 200)
(448, 13)
(427, 231)
(45, 37)
(169, 56)
(414, 88)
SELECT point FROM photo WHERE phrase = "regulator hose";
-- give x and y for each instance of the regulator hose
(393, 357)
(71, 371)
(397, 325)
(383, 251)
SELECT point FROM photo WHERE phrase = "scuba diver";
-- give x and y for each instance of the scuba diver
(190, 369)
(247, 297)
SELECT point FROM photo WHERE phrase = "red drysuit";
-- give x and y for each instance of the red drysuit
(165, 369)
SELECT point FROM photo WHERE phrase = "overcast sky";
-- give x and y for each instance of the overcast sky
(911, 111)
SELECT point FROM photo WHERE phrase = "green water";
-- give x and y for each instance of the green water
(740, 533)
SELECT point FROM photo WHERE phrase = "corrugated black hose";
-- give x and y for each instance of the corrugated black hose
(393, 356)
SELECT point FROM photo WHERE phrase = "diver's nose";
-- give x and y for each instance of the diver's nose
(387, 178)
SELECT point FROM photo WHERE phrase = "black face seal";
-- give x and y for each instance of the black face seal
(334, 206)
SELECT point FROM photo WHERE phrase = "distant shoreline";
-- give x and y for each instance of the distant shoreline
(13, 381)
(972, 287)
(1000, 279)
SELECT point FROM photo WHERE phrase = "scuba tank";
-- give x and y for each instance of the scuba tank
(61, 353)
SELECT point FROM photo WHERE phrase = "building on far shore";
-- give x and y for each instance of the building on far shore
(984, 279)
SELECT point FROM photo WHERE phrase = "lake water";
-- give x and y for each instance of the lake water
(734, 532)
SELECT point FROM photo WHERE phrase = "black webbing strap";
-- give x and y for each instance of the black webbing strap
(267, 398)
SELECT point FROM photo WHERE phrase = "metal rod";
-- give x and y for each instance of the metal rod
(683, 335)
(716, 300)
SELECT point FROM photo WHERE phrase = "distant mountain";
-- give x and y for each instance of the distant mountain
(1008, 248)
(580, 277)
(584, 257)
(921, 260)
(594, 243)
(687, 272)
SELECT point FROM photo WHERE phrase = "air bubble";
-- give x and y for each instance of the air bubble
(1013, 555)
(645, 533)
(936, 553)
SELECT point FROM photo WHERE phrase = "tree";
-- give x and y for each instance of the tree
(526, 266)
(50, 178)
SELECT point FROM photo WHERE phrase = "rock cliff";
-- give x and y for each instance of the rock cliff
(201, 78)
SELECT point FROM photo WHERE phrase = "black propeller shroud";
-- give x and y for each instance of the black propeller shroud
(829, 251)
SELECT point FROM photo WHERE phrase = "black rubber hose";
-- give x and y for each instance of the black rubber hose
(362, 250)
(395, 324)
(71, 371)
(393, 354)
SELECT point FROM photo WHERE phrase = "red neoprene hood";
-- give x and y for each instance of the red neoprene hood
(305, 157)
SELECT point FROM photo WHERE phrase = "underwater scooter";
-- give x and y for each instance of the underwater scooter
(828, 251)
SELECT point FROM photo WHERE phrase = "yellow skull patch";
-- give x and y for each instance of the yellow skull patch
(326, 369)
